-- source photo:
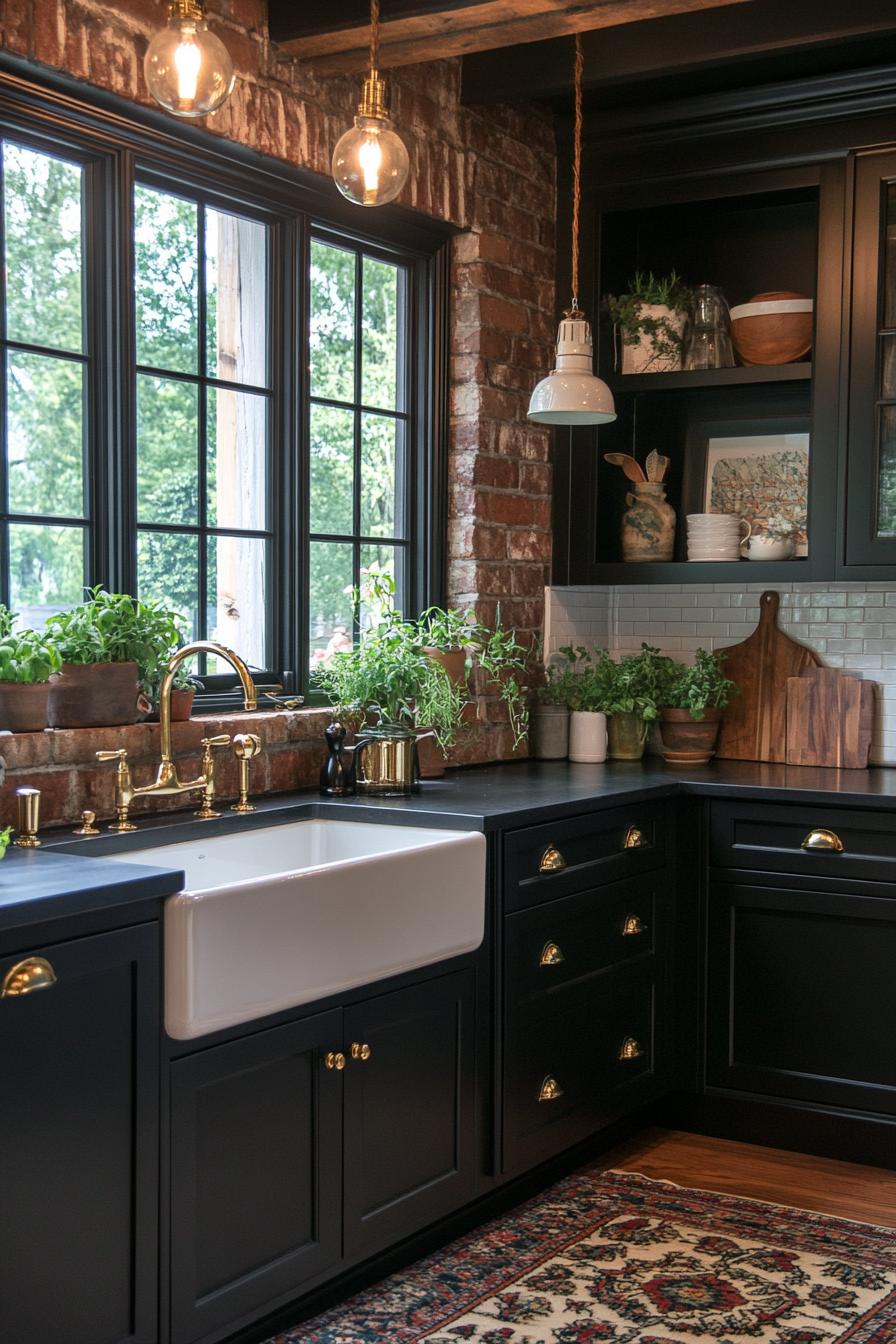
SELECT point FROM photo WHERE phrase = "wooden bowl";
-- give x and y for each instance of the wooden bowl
(765, 332)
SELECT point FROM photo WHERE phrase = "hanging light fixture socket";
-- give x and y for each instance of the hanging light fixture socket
(374, 98)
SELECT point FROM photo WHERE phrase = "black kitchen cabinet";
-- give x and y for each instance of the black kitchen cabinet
(801, 995)
(256, 1173)
(871, 444)
(303, 1146)
(409, 1111)
(79, 1144)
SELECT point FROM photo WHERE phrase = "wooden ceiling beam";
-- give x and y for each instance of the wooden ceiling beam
(458, 30)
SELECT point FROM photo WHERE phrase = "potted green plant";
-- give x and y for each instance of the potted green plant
(589, 691)
(649, 322)
(638, 690)
(549, 718)
(28, 664)
(446, 635)
(695, 698)
(5, 837)
(112, 646)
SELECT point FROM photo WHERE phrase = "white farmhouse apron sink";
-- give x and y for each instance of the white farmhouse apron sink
(277, 916)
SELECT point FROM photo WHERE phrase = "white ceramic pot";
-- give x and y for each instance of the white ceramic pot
(768, 548)
(587, 736)
(643, 358)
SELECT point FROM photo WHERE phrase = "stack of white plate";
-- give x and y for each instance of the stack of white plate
(715, 536)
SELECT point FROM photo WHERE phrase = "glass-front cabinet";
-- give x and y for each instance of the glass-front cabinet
(871, 481)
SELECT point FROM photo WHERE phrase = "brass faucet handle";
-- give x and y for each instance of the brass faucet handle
(87, 827)
(222, 740)
(120, 754)
(206, 812)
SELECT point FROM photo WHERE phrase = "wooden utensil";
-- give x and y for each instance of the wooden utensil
(830, 719)
(754, 724)
(628, 464)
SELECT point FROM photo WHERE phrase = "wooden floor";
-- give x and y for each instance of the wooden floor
(865, 1194)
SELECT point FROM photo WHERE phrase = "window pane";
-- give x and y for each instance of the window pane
(382, 477)
(236, 278)
(42, 201)
(237, 598)
(332, 334)
(332, 469)
(168, 570)
(379, 335)
(376, 560)
(330, 598)
(886, 486)
(237, 459)
(46, 570)
(166, 280)
(45, 443)
(167, 450)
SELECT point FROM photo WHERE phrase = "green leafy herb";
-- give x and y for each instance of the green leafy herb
(117, 628)
(5, 837)
(703, 686)
(27, 658)
(632, 323)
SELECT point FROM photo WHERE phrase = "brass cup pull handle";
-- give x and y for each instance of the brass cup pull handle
(552, 861)
(27, 976)
(825, 840)
(634, 839)
(361, 1051)
(551, 955)
(334, 1059)
(633, 925)
(630, 1049)
(550, 1089)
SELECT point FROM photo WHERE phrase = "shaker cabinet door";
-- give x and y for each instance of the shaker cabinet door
(79, 1144)
(871, 461)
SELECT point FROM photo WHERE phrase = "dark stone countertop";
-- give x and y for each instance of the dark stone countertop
(61, 879)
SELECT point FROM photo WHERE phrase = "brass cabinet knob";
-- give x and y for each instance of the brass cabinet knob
(632, 925)
(335, 1060)
(550, 1089)
(27, 976)
(634, 839)
(552, 861)
(630, 1049)
(360, 1051)
(822, 839)
(551, 955)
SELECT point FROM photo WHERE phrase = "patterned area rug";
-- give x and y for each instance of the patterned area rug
(614, 1258)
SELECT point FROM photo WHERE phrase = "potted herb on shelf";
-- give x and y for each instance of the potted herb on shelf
(112, 646)
(28, 662)
(695, 698)
(638, 690)
(649, 323)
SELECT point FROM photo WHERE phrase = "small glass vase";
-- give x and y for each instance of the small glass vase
(626, 737)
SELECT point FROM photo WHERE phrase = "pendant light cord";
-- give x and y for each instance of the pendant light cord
(576, 175)
(374, 34)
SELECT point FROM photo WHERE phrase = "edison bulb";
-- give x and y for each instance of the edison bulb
(188, 70)
(370, 162)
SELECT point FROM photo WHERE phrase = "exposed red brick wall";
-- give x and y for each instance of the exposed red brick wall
(491, 171)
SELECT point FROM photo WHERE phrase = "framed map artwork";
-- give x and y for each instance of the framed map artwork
(763, 478)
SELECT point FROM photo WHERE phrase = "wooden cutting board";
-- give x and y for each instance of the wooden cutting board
(830, 719)
(754, 724)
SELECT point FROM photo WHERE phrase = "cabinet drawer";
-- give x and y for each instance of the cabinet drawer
(574, 1069)
(564, 943)
(557, 859)
(780, 838)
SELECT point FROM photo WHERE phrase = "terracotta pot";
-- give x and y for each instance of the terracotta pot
(688, 740)
(94, 695)
(648, 524)
(182, 704)
(23, 707)
(626, 737)
(430, 760)
(454, 662)
(549, 732)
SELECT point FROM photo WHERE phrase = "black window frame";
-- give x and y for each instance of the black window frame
(121, 143)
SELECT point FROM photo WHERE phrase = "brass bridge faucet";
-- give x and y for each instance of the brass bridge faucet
(167, 780)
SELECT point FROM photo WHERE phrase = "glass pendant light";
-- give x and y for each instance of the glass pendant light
(188, 70)
(571, 394)
(370, 162)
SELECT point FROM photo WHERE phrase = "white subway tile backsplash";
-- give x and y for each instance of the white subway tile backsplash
(851, 625)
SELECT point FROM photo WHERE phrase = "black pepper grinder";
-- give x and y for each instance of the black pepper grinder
(335, 780)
